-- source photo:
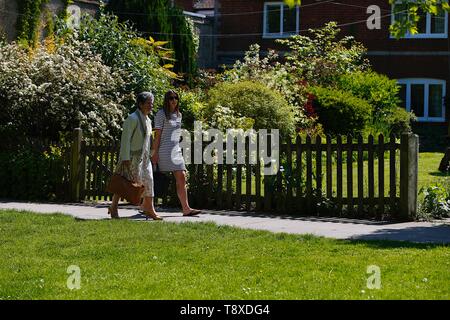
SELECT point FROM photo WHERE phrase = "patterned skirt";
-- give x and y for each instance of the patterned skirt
(140, 172)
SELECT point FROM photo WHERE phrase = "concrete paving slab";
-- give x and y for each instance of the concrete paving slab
(421, 232)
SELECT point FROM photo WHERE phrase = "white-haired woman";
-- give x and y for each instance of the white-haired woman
(134, 161)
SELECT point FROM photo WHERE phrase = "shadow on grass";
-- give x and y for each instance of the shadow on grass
(439, 174)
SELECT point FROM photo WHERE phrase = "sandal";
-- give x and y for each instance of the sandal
(152, 215)
(193, 212)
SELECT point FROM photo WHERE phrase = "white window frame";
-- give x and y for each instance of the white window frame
(281, 34)
(427, 34)
(426, 82)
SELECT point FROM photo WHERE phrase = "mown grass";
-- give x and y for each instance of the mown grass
(428, 169)
(132, 260)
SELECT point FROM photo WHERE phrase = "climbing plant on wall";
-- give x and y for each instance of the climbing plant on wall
(29, 19)
(162, 21)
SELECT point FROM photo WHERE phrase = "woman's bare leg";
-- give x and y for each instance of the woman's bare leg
(113, 209)
(180, 177)
(148, 206)
(149, 209)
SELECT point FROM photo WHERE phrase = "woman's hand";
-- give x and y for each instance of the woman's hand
(155, 158)
(126, 163)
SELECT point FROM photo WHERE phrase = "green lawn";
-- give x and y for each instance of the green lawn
(428, 168)
(132, 260)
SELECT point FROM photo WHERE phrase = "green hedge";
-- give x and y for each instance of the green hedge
(382, 94)
(340, 112)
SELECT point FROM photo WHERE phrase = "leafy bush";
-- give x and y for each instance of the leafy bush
(399, 121)
(321, 57)
(192, 108)
(377, 89)
(254, 100)
(226, 118)
(435, 202)
(340, 112)
(52, 90)
(165, 21)
(273, 74)
(143, 64)
(382, 94)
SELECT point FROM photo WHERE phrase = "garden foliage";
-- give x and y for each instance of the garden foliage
(52, 90)
(435, 201)
(161, 20)
(340, 112)
(254, 101)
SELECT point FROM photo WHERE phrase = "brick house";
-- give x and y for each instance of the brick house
(421, 62)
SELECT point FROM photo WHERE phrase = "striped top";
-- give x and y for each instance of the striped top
(170, 155)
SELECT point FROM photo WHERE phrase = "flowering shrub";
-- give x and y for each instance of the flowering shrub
(144, 64)
(51, 90)
(321, 57)
(226, 118)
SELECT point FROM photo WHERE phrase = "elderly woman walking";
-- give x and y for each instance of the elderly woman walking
(134, 162)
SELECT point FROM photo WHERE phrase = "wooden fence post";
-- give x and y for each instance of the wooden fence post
(409, 159)
(75, 165)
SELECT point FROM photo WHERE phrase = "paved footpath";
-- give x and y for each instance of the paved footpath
(424, 232)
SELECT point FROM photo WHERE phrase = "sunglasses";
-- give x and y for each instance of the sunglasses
(173, 98)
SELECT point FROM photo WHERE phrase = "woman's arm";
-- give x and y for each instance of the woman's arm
(125, 141)
(155, 146)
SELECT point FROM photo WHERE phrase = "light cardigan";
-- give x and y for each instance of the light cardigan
(129, 142)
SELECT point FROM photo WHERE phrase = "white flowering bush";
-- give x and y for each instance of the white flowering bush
(322, 56)
(144, 64)
(225, 118)
(56, 88)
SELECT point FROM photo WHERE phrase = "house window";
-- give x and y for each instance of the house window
(429, 25)
(424, 97)
(280, 21)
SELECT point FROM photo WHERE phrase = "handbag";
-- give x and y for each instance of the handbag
(161, 183)
(123, 187)
(127, 189)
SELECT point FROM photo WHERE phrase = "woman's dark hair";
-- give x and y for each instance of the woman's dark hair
(166, 105)
(143, 97)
